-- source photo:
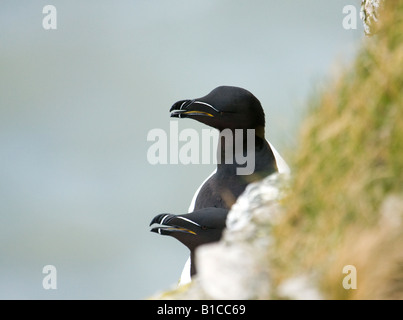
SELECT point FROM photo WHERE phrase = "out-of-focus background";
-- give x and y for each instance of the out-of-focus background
(77, 103)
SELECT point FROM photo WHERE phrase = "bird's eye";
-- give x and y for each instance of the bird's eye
(204, 227)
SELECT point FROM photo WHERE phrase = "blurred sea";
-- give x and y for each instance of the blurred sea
(76, 104)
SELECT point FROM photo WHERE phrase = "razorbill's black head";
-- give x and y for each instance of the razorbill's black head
(224, 107)
(193, 229)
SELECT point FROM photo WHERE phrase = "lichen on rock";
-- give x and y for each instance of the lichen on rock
(369, 13)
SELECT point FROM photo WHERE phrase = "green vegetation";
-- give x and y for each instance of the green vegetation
(346, 197)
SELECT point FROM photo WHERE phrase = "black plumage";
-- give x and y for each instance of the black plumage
(227, 109)
(235, 112)
(192, 229)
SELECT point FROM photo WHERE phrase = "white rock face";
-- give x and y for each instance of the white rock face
(299, 288)
(254, 197)
(237, 267)
(226, 272)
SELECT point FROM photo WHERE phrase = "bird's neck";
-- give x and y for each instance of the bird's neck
(242, 147)
(192, 263)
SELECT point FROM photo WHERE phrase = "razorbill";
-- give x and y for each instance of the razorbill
(228, 107)
(193, 229)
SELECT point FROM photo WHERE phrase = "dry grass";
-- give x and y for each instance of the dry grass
(349, 159)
